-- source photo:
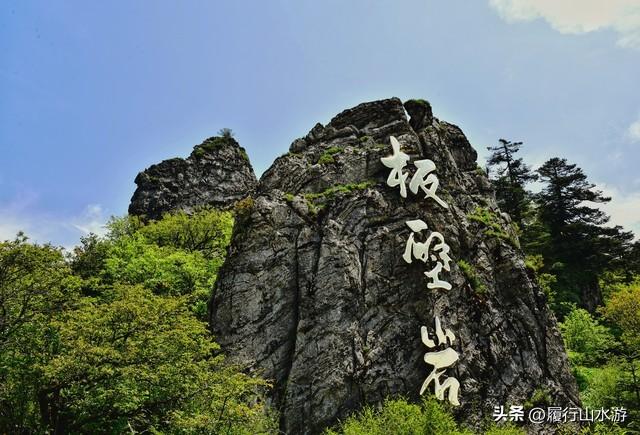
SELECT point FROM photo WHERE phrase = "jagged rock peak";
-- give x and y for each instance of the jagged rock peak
(217, 174)
(316, 296)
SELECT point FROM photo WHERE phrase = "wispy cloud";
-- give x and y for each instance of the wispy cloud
(634, 131)
(92, 220)
(13, 216)
(623, 208)
(23, 215)
(578, 16)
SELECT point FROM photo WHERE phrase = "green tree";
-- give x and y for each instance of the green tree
(163, 269)
(225, 132)
(512, 177)
(112, 340)
(623, 309)
(179, 254)
(35, 286)
(207, 231)
(135, 360)
(586, 340)
(580, 248)
(34, 281)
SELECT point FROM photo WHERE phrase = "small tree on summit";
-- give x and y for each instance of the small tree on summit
(512, 176)
(225, 132)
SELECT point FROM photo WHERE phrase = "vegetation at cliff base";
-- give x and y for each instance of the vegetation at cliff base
(400, 417)
(113, 339)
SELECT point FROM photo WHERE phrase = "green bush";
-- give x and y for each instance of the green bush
(493, 228)
(114, 339)
(399, 417)
(586, 340)
(327, 156)
(474, 280)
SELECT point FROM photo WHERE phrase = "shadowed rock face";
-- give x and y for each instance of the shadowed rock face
(216, 174)
(316, 296)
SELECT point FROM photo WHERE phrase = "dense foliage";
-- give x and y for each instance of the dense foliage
(589, 271)
(397, 416)
(112, 339)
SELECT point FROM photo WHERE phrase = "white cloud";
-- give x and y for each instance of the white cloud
(92, 221)
(578, 16)
(634, 131)
(624, 209)
(12, 216)
(22, 215)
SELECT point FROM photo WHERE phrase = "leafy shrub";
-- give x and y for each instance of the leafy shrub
(493, 228)
(535, 263)
(397, 416)
(586, 340)
(419, 101)
(327, 156)
(474, 280)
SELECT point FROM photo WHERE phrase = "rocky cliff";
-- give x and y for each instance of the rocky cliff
(217, 174)
(315, 293)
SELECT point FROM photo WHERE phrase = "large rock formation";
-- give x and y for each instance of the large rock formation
(316, 296)
(217, 174)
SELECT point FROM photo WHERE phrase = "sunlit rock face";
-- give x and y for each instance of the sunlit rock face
(216, 174)
(316, 296)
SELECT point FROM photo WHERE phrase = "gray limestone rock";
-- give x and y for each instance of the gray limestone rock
(315, 294)
(217, 174)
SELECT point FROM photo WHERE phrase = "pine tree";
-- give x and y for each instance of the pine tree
(580, 247)
(512, 176)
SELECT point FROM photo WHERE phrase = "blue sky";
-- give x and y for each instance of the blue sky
(93, 92)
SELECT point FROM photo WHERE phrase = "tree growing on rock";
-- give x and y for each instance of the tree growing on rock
(512, 175)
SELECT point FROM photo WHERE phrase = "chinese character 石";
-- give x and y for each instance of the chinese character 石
(499, 414)
(425, 251)
(440, 360)
(516, 413)
(426, 181)
(397, 162)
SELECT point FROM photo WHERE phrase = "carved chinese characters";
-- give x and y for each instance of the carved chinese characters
(422, 179)
(434, 249)
(427, 250)
(430, 249)
(440, 360)
(397, 162)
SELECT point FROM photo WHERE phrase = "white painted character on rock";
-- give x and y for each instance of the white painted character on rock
(423, 178)
(397, 162)
(434, 249)
(440, 361)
